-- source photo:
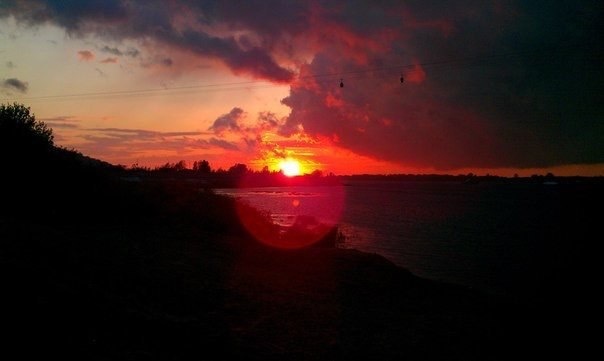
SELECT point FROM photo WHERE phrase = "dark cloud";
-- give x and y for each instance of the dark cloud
(255, 61)
(113, 51)
(131, 52)
(141, 133)
(249, 134)
(229, 121)
(15, 84)
(221, 143)
(62, 121)
(129, 146)
(268, 120)
(157, 60)
(73, 15)
(166, 62)
(487, 83)
(487, 86)
(123, 143)
(162, 23)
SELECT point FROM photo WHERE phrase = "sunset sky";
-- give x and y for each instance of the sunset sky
(497, 87)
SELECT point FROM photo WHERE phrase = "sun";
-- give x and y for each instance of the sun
(290, 167)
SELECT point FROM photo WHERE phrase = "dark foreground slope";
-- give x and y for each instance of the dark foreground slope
(93, 267)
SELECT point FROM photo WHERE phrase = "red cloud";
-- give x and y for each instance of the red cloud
(376, 116)
(333, 101)
(109, 61)
(415, 75)
(494, 110)
(85, 55)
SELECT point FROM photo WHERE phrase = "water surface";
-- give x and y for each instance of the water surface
(505, 238)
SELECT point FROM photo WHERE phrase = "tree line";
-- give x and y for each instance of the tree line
(238, 174)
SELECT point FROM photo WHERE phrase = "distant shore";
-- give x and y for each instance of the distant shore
(277, 179)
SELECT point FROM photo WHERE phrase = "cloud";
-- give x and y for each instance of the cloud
(110, 50)
(415, 74)
(268, 120)
(166, 62)
(85, 55)
(61, 118)
(250, 135)
(62, 121)
(221, 143)
(75, 16)
(162, 61)
(375, 115)
(109, 61)
(130, 52)
(255, 61)
(125, 143)
(502, 102)
(487, 83)
(141, 133)
(179, 26)
(229, 121)
(15, 84)
(10, 64)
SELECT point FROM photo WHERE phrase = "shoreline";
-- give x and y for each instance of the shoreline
(232, 297)
(105, 269)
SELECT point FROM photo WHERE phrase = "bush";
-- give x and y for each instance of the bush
(21, 134)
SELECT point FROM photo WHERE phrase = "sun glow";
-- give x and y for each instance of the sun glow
(290, 167)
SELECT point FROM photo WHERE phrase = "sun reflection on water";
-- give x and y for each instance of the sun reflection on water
(297, 216)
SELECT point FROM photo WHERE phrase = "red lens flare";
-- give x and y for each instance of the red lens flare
(291, 217)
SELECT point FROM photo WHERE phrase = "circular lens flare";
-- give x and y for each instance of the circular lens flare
(294, 217)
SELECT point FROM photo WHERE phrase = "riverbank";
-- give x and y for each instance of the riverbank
(119, 294)
(101, 269)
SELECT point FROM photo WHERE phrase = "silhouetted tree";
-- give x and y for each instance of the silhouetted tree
(181, 165)
(173, 167)
(20, 132)
(317, 173)
(202, 166)
(238, 170)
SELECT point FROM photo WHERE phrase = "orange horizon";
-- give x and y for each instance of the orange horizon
(378, 167)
